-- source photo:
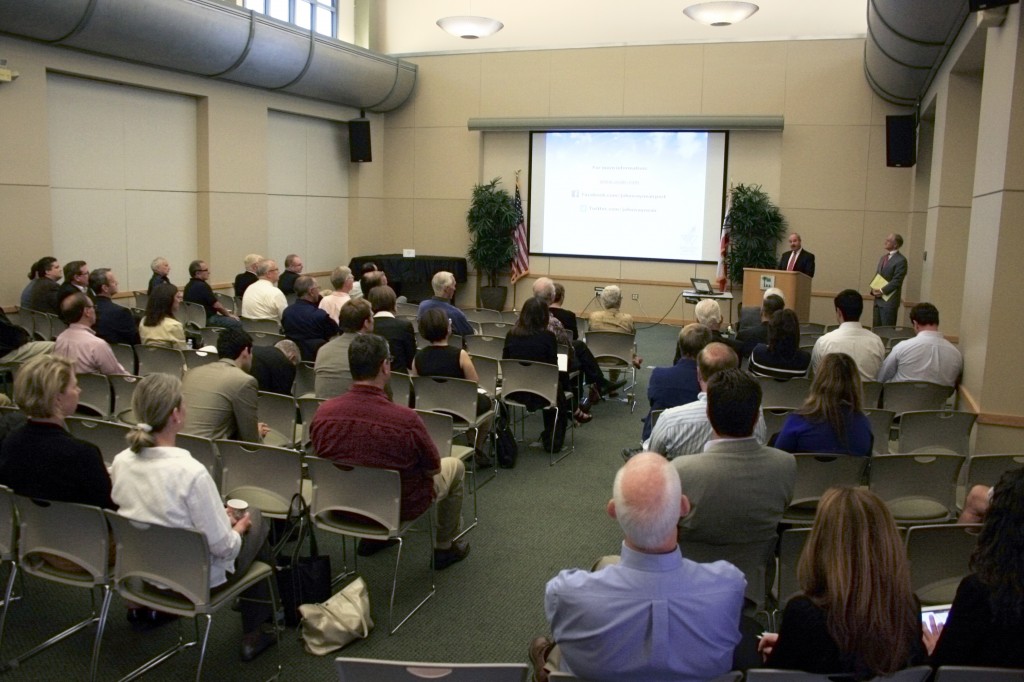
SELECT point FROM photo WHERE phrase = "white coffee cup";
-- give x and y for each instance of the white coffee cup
(237, 508)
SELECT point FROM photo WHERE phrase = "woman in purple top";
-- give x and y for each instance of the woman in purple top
(831, 419)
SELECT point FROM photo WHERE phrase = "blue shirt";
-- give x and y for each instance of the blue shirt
(800, 435)
(651, 617)
(460, 325)
(308, 326)
(671, 387)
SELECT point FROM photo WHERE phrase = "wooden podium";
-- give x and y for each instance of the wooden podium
(795, 286)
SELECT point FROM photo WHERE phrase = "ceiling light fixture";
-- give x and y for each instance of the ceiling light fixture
(724, 13)
(470, 28)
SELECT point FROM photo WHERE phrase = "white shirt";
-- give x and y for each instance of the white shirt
(263, 301)
(863, 345)
(685, 430)
(333, 302)
(926, 357)
(165, 485)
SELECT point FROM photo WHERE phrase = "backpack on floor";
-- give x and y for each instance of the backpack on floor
(504, 439)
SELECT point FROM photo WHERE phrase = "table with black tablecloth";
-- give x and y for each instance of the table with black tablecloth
(410, 277)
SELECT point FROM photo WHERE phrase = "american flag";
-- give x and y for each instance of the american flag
(521, 261)
(722, 276)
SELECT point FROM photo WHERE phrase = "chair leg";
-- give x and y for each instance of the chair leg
(60, 636)
(7, 600)
(394, 585)
(164, 655)
(552, 460)
(202, 647)
(100, 626)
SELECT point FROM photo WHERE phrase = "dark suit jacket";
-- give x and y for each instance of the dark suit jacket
(894, 271)
(272, 370)
(401, 338)
(286, 282)
(115, 323)
(242, 282)
(671, 387)
(568, 320)
(804, 262)
(67, 289)
(44, 296)
(155, 281)
(748, 337)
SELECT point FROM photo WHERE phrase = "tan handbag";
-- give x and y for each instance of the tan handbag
(344, 617)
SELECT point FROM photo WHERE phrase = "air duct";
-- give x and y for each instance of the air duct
(217, 40)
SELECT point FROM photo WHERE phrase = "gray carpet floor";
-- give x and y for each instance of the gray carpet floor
(535, 520)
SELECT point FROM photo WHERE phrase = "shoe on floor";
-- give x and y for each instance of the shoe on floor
(482, 460)
(610, 388)
(144, 620)
(255, 643)
(371, 547)
(540, 648)
(443, 558)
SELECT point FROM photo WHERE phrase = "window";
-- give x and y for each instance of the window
(317, 15)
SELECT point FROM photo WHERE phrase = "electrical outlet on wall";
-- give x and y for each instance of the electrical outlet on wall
(636, 297)
(598, 290)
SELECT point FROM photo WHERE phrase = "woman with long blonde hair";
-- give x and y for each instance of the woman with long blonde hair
(856, 613)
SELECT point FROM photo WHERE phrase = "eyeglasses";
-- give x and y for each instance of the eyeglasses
(203, 270)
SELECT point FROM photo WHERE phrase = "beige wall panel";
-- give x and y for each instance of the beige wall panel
(755, 158)
(824, 167)
(287, 170)
(327, 231)
(237, 154)
(367, 224)
(448, 91)
(447, 163)
(440, 227)
(503, 155)
(742, 79)
(832, 236)
(400, 156)
(996, 440)
(880, 109)
(587, 82)
(825, 83)
(327, 159)
(286, 227)
(954, 150)
(663, 80)
(160, 224)
(25, 220)
(515, 84)
(675, 273)
(24, 142)
(1002, 77)
(576, 267)
(86, 127)
(91, 225)
(823, 310)
(888, 189)
(159, 140)
(399, 226)
(915, 228)
(239, 227)
(944, 268)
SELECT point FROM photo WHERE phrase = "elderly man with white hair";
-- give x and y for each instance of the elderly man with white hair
(653, 614)
(161, 268)
(443, 284)
(263, 300)
(248, 275)
(709, 314)
(342, 282)
(612, 319)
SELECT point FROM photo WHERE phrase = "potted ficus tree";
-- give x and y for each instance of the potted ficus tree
(491, 221)
(756, 226)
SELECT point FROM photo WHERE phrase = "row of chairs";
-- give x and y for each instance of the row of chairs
(898, 396)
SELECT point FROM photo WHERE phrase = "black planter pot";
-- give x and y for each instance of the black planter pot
(493, 298)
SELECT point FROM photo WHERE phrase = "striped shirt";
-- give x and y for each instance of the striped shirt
(685, 430)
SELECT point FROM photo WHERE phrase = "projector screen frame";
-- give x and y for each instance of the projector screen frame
(724, 191)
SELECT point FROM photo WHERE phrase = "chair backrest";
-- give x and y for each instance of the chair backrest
(372, 670)
(905, 396)
(485, 346)
(456, 397)
(308, 405)
(210, 336)
(251, 325)
(141, 299)
(96, 394)
(305, 380)
(373, 493)
(401, 388)
(265, 338)
(160, 359)
(655, 416)
(263, 475)
(124, 386)
(916, 487)
(279, 412)
(881, 425)
(963, 673)
(440, 428)
(511, 317)
(774, 417)
(198, 358)
(789, 393)
(8, 525)
(487, 369)
(938, 428)
(225, 300)
(177, 558)
(108, 436)
(872, 393)
(75, 532)
(808, 338)
(125, 355)
(536, 378)
(816, 473)
(791, 545)
(499, 329)
(916, 674)
(811, 328)
(406, 309)
(194, 315)
(939, 556)
(608, 346)
(887, 332)
(481, 315)
(204, 451)
(987, 469)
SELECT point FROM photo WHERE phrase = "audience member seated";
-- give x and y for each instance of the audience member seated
(611, 318)
(292, 269)
(199, 291)
(76, 280)
(43, 296)
(863, 345)
(41, 459)
(781, 357)
(114, 323)
(161, 269)
(750, 316)
(441, 360)
(653, 615)
(926, 357)
(738, 488)
(369, 280)
(159, 327)
(221, 397)
(986, 623)
(304, 322)
(678, 384)
(16, 346)
(399, 333)
(831, 419)
(364, 415)
(443, 284)
(709, 314)
(79, 342)
(357, 287)
(685, 430)
(157, 482)
(530, 339)
(24, 301)
(748, 338)
(566, 318)
(248, 275)
(856, 613)
(274, 366)
(342, 283)
(331, 365)
(262, 299)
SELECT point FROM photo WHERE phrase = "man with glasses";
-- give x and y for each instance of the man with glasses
(76, 280)
(263, 300)
(363, 427)
(304, 322)
(90, 353)
(199, 291)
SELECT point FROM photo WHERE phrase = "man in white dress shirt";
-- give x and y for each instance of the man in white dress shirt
(926, 357)
(863, 345)
(262, 299)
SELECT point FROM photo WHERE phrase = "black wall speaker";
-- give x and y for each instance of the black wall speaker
(359, 140)
(900, 141)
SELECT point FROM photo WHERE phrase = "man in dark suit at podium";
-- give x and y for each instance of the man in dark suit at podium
(797, 259)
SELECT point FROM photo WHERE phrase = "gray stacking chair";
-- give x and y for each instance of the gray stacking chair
(906, 396)
(987, 469)
(372, 670)
(109, 437)
(881, 428)
(441, 431)
(790, 393)
(279, 412)
(160, 359)
(264, 476)
(204, 451)
(962, 673)
(939, 556)
(486, 346)
(481, 315)
(499, 329)
(262, 326)
(539, 379)
(936, 428)
(918, 488)
(401, 388)
(816, 473)
(916, 674)
(96, 394)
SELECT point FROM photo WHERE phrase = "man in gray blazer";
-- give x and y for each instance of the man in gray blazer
(893, 267)
(738, 488)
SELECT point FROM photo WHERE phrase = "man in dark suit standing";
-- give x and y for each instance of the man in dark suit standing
(797, 259)
(893, 268)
